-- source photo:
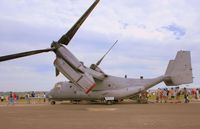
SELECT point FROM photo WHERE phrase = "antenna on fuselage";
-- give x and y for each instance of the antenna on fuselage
(93, 66)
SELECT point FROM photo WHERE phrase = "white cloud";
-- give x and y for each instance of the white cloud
(144, 46)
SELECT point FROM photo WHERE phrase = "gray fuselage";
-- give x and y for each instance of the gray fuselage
(111, 86)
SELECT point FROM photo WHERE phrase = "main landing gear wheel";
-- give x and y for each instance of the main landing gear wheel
(109, 102)
(53, 102)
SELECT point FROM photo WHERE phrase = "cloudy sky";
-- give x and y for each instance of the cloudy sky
(150, 32)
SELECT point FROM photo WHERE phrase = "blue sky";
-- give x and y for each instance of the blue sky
(150, 32)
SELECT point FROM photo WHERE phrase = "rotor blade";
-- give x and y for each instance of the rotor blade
(57, 72)
(23, 54)
(65, 39)
(98, 63)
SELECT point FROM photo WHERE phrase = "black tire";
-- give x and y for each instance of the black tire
(53, 102)
(109, 102)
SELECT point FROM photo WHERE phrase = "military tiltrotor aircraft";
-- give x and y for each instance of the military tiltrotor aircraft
(91, 83)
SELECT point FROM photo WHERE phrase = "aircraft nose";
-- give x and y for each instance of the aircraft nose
(49, 94)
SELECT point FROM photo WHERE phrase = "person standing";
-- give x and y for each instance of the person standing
(165, 97)
(157, 95)
(2, 98)
(14, 97)
(185, 92)
(178, 94)
(44, 95)
(170, 94)
(11, 101)
(193, 92)
(33, 97)
(161, 95)
(197, 94)
(27, 97)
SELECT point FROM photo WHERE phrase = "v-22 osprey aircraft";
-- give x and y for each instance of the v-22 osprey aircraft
(91, 83)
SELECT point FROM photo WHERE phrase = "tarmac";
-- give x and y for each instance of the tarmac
(100, 116)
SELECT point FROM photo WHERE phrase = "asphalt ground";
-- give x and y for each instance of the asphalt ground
(100, 116)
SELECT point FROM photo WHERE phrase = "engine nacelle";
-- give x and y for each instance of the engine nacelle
(68, 57)
(81, 79)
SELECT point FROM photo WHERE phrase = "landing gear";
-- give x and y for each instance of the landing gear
(53, 102)
(109, 102)
(75, 101)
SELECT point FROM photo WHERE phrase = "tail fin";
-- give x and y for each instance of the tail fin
(179, 71)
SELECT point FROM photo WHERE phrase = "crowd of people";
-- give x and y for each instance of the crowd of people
(174, 95)
(13, 98)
